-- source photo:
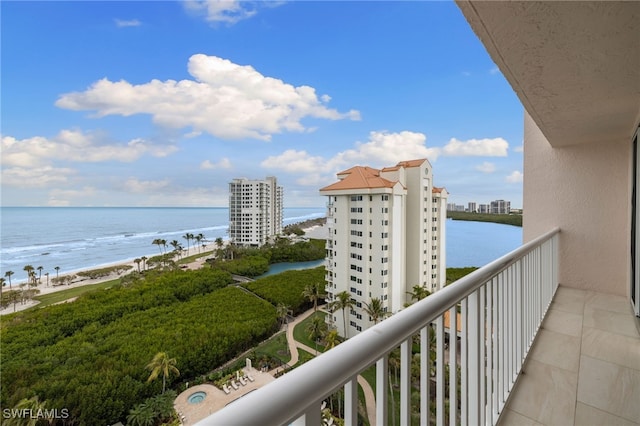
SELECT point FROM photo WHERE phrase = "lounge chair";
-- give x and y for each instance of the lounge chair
(235, 385)
(226, 389)
(250, 377)
(243, 380)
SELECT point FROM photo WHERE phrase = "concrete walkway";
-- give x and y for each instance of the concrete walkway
(216, 399)
(369, 395)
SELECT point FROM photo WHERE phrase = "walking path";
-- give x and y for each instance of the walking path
(192, 413)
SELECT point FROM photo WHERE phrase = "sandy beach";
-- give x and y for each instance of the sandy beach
(317, 231)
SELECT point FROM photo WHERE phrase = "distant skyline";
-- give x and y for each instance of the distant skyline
(164, 103)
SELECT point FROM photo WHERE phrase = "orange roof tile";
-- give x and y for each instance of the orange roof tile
(436, 190)
(412, 163)
(364, 177)
(359, 177)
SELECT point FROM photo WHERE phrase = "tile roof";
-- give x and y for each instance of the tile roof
(359, 177)
(411, 163)
(364, 177)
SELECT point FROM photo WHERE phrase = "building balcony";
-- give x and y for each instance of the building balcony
(528, 351)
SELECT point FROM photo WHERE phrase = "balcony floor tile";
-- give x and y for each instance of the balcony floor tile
(587, 415)
(583, 368)
(546, 394)
(557, 349)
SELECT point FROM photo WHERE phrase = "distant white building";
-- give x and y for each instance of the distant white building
(500, 207)
(484, 208)
(255, 211)
(386, 235)
(473, 207)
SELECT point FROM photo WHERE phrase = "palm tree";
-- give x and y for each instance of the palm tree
(57, 268)
(176, 247)
(343, 301)
(161, 363)
(313, 292)
(331, 340)
(46, 274)
(418, 293)
(138, 260)
(144, 263)
(8, 275)
(40, 268)
(316, 329)
(159, 243)
(141, 415)
(281, 312)
(32, 278)
(219, 243)
(187, 237)
(199, 238)
(375, 310)
(28, 269)
(2, 281)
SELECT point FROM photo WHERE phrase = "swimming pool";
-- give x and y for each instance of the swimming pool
(196, 397)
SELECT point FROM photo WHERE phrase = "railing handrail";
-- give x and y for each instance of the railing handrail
(323, 375)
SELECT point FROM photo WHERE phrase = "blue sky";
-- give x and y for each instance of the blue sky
(163, 103)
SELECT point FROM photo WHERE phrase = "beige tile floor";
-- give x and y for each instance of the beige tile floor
(584, 367)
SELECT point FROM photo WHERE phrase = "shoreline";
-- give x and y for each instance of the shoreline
(316, 231)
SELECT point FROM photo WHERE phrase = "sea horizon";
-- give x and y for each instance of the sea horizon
(77, 238)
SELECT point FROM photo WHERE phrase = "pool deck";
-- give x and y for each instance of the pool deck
(215, 398)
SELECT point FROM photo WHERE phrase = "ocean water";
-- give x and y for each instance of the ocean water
(76, 238)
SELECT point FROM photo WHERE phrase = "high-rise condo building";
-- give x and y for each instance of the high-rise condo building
(500, 207)
(255, 211)
(386, 235)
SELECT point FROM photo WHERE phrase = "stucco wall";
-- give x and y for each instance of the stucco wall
(584, 190)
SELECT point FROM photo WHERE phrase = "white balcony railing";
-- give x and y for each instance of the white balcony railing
(500, 308)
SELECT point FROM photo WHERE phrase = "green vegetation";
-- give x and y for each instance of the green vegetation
(507, 219)
(302, 331)
(62, 295)
(90, 356)
(454, 274)
(287, 288)
(253, 262)
(248, 266)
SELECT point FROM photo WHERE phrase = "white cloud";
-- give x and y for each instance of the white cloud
(120, 23)
(227, 100)
(75, 146)
(515, 177)
(519, 148)
(225, 11)
(35, 177)
(494, 70)
(144, 186)
(486, 167)
(224, 163)
(65, 197)
(386, 149)
(382, 149)
(496, 147)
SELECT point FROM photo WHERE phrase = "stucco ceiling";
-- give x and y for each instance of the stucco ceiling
(574, 65)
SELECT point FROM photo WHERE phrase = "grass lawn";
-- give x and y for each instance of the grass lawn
(62, 295)
(275, 347)
(301, 335)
